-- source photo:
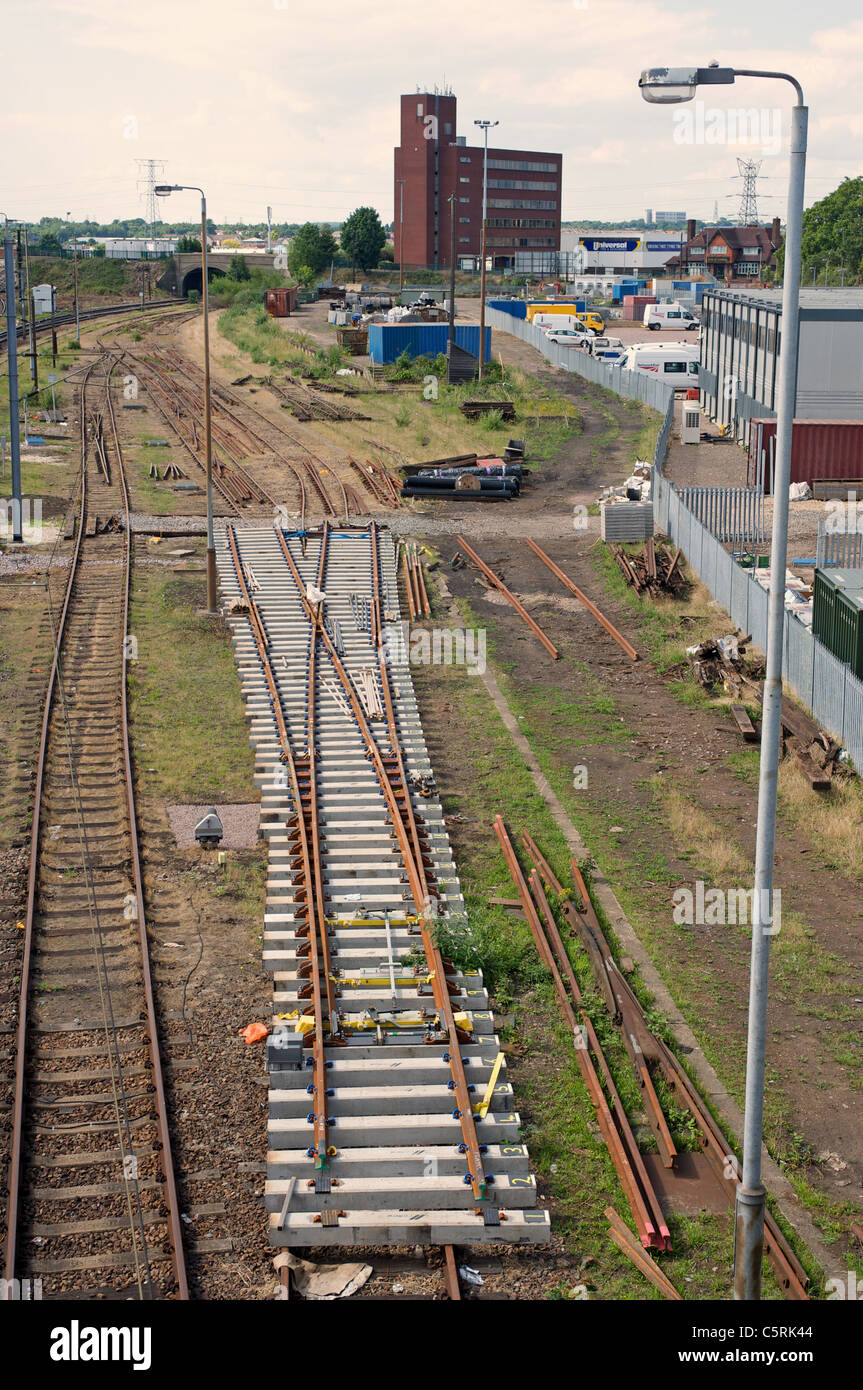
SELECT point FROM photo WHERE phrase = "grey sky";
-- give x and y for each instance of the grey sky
(280, 102)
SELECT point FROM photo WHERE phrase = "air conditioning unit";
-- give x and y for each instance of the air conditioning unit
(690, 431)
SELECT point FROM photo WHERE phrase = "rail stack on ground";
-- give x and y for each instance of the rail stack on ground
(391, 1118)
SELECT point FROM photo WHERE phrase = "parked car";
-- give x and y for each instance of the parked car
(608, 349)
(571, 337)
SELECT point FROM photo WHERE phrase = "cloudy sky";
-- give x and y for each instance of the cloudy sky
(296, 105)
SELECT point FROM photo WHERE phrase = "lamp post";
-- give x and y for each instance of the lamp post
(674, 85)
(75, 273)
(162, 190)
(485, 129)
(452, 207)
(401, 184)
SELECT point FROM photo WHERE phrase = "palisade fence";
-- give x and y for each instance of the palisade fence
(822, 683)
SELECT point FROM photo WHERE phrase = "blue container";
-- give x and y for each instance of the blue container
(516, 307)
(388, 340)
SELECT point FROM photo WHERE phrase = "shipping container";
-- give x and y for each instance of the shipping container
(388, 340)
(516, 307)
(837, 614)
(635, 304)
(555, 306)
(821, 450)
(281, 302)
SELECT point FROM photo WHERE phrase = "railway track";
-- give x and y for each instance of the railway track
(92, 1197)
(85, 315)
(391, 1117)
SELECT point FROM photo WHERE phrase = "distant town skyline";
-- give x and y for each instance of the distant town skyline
(254, 106)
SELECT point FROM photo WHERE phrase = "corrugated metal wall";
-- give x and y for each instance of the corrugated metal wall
(388, 340)
(820, 449)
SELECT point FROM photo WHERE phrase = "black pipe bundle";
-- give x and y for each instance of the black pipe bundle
(446, 487)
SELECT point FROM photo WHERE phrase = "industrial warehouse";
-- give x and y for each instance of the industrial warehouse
(431, 639)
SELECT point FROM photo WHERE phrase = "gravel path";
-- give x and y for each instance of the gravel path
(240, 822)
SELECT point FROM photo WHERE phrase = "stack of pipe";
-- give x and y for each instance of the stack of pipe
(494, 481)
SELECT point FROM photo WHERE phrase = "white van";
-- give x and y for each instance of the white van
(658, 316)
(674, 362)
(557, 321)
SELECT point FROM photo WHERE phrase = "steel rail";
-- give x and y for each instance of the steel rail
(582, 598)
(63, 320)
(55, 682)
(254, 435)
(407, 833)
(612, 1120)
(627, 1012)
(519, 607)
(170, 1183)
(15, 1159)
(321, 1148)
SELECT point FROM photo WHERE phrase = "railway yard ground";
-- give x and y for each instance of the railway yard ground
(629, 766)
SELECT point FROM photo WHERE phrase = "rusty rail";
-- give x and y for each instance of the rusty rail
(160, 1104)
(519, 607)
(582, 598)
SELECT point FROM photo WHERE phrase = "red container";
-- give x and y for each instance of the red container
(282, 302)
(821, 450)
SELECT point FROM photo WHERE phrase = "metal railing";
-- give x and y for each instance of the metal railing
(732, 514)
(838, 548)
(819, 680)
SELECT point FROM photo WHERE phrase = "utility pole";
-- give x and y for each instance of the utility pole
(75, 266)
(12, 355)
(401, 184)
(452, 206)
(270, 229)
(31, 314)
(485, 129)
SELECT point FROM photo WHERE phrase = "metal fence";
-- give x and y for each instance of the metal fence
(822, 683)
(636, 386)
(842, 548)
(732, 514)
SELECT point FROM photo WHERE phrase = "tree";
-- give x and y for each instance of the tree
(238, 269)
(99, 249)
(188, 243)
(313, 247)
(304, 274)
(833, 233)
(363, 238)
(49, 245)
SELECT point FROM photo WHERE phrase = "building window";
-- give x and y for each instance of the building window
(520, 203)
(464, 240)
(464, 180)
(464, 159)
(464, 219)
(447, 130)
(522, 164)
(419, 108)
(523, 183)
(464, 200)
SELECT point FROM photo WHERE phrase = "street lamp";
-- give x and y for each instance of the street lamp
(673, 85)
(485, 129)
(162, 190)
(401, 183)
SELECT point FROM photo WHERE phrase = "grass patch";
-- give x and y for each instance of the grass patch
(190, 737)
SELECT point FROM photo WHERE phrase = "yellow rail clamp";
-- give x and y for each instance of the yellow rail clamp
(372, 921)
(482, 1109)
(366, 981)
